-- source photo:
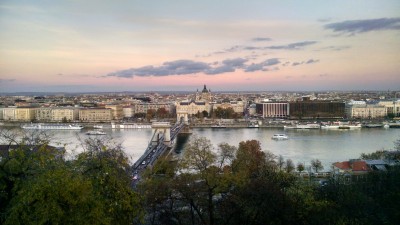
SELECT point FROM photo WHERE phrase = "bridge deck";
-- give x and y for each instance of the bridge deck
(153, 152)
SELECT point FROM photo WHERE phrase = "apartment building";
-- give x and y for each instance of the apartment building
(116, 110)
(366, 111)
(392, 107)
(144, 107)
(238, 106)
(68, 114)
(25, 114)
(95, 115)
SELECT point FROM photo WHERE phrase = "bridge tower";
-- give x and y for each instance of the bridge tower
(182, 116)
(161, 129)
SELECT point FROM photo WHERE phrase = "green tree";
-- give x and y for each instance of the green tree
(300, 167)
(316, 165)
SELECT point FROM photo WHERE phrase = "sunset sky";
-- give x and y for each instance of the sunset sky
(179, 45)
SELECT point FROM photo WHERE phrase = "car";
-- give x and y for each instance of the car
(144, 162)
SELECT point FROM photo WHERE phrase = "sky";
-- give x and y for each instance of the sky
(180, 45)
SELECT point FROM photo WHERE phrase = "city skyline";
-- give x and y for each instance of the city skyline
(101, 46)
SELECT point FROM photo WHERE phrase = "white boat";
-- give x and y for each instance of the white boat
(95, 132)
(279, 137)
(218, 126)
(129, 126)
(98, 126)
(334, 125)
(253, 126)
(304, 126)
(52, 126)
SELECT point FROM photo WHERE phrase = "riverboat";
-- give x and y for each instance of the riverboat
(130, 126)
(95, 132)
(303, 126)
(253, 125)
(279, 137)
(219, 125)
(51, 127)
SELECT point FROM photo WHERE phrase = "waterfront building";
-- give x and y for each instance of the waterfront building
(55, 114)
(95, 115)
(392, 107)
(65, 113)
(237, 105)
(128, 111)
(316, 110)
(44, 114)
(25, 114)
(272, 109)
(9, 114)
(192, 107)
(116, 110)
(366, 111)
(145, 106)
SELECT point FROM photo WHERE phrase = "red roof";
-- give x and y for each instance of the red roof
(343, 165)
(354, 166)
(360, 166)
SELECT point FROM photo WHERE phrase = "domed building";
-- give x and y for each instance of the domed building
(204, 95)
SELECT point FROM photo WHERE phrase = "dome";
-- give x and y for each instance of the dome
(205, 89)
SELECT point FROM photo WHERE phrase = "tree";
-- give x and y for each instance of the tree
(151, 113)
(205, 113)
(162, 113)
(38, 186)
(289, 166)
(300, 167)
(280, 162)
(316, 165)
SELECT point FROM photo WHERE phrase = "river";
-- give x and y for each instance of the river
(303, 145)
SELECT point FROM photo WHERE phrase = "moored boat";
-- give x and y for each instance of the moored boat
(95, 132)
(49, 126)
(304, 126)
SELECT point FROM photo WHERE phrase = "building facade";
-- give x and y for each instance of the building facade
(272, 109)
(317, 110)
(25, 114)
(367, 111)
(392, 107)
(65, 114)
(95, 115)
(116, 110)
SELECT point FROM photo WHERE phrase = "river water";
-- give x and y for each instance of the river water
(303, 145)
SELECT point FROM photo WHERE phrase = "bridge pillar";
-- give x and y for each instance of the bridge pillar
(182, 116)
(161, 128)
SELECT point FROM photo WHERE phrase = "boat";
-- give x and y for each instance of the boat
(386, 126)
(98, 126)
(253, 125)
(373, 125)
(350, 126)
(334, 125)
(303, 126)
(219, 125)
(95, 132)
(279, 137)
(129, 126)
(341, 125)
(51, 127)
